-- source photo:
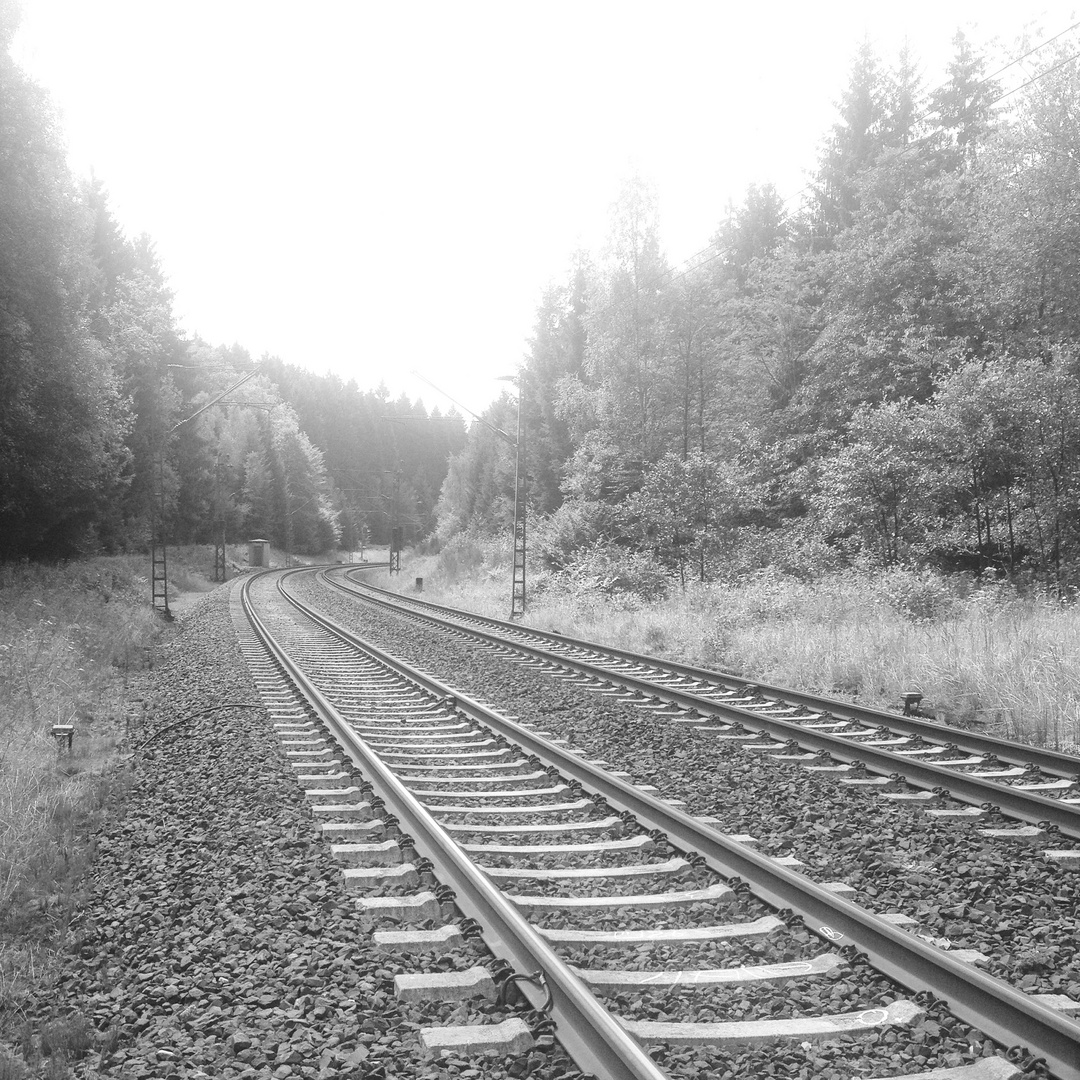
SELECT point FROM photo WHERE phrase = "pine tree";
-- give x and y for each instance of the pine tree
(852, 146)
(964, 106)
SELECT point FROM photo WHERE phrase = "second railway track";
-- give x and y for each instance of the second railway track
(640, 925)
(1030, 783)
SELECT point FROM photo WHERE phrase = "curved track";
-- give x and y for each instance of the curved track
(1036, 786)
(554, 858)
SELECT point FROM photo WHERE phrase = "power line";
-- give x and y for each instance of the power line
(674, 274)
(1048, 41)
(210, 404)
(498, 431)
(1036, 78)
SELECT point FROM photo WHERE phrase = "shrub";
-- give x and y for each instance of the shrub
(459, 558)
(920, 595)
(794, 550)
(11, 1068)
(71, 1037)
(605, 568)
(558, 538)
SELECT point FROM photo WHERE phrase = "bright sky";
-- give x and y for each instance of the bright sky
(376, 187)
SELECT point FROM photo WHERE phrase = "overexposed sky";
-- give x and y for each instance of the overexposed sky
(376, 187)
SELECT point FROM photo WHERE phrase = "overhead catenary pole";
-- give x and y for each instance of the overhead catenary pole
(521, 492)
(521, 485)
(159, 581)
(397, 531)
(159, 570)
(218, 524)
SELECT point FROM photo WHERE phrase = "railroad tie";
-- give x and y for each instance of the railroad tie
(716, 892)
(508, 1037)
(384, 853)
(679, 935)
(814, 1029)
(358, 810)
(671, 866)
(475, 982)
(623, 981)
(415, 908)
(444, 939)
(370, 877)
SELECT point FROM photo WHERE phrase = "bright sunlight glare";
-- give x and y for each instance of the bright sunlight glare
(371, 188)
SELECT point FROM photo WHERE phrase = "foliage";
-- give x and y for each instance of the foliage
(982, 651)
(62, 420)
(922, 596)
(881, 488)
(610, 570)
(886, 375)
(478, 492)
(684, 511)
(557, 538)
(103, 440)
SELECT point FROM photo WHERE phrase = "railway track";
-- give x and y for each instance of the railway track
(627, 928)
(1037, 786)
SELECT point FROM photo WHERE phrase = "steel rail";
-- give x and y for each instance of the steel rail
(1055, 762)
(974, 790)
(591, 1035)
(1002, 1012)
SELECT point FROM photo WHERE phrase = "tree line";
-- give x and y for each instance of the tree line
(102, 440)
(883, 371)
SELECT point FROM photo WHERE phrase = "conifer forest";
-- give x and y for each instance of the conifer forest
(883, 370)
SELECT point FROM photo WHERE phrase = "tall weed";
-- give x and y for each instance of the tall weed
(70, 636)
(982, 654)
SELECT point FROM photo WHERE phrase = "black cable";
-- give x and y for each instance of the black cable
(194, 716)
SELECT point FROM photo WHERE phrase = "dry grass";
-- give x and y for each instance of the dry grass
(984, 656)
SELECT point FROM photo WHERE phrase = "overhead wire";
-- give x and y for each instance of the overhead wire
(1036, 78)
(689, 264)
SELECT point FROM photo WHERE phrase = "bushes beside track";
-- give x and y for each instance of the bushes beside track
(983, 654)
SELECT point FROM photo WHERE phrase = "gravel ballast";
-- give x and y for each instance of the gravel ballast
(607, 729)
(215, 937)
(1000, 897)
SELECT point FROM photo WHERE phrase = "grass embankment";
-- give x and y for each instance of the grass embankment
(72, 639)
(984, 656)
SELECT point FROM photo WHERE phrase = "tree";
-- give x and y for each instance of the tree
(751, 232)
(62, 419)
(981, 437)
(139, 330)
(556, 352)
(963, 107)
(627, 337)
(684, 512)
(901, 100)
(882, 489)
(1026, 217)
(852, 146)
(478, 492)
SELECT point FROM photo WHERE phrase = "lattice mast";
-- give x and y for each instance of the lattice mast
(159, 570)
(521, 494)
